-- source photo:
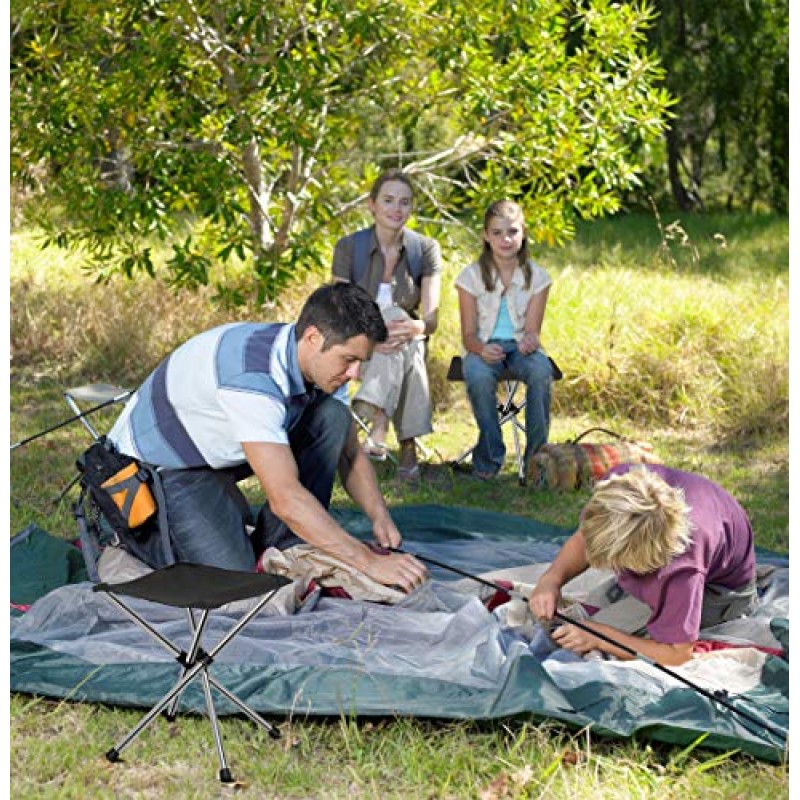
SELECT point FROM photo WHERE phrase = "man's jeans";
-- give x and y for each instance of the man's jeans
(207, 512)
(535, 372)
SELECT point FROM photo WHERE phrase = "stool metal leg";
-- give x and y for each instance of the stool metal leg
(245, 709)
(74, 406)
(196, 663)
(191, 658)
(115, 752)
(254, 716)
(224, 773)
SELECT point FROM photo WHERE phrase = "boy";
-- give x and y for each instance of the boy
(677, 542)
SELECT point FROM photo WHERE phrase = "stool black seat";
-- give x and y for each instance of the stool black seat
(204, 588)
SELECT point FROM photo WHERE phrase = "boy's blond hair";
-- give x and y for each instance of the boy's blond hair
(635, 521)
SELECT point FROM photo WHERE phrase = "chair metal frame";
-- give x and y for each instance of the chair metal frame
(100, 395)
(508, 410)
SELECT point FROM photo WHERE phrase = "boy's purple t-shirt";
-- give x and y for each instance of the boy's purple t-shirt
(721, 552)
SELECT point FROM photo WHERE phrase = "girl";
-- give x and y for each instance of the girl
(502, 299)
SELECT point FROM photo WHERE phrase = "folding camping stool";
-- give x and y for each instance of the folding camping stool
(205, 588)
(99, 395)
(508, 410)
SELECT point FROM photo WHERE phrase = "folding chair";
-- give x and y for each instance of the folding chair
(194, 587)
(100, 395)
(508, 410)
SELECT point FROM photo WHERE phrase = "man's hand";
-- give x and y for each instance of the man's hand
(385, 532)
(397, 570)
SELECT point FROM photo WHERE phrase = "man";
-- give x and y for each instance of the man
(251, 398)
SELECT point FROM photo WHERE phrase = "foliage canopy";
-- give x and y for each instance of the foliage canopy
(251, 129)
(727, 65)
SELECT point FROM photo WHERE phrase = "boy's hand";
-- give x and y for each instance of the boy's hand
(545, 598)
(575, 639)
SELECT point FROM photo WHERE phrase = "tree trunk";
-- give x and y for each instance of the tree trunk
(259, 197)
(779, 140)
(682, 197)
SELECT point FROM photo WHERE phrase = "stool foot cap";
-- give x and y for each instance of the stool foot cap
(225, 776)
(113, 755)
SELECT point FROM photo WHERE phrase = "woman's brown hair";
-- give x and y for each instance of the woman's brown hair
(386, 177)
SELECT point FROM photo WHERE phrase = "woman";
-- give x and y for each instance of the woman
(502, 299)
(401, 270)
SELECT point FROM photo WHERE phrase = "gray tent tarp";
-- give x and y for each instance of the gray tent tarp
(439, 654)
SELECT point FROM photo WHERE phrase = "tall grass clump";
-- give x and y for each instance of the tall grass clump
(659, 322)
(643, 331)
(65, 327)
(671, 349)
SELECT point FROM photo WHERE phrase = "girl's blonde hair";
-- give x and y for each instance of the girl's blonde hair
(507, 209)
(635, 521)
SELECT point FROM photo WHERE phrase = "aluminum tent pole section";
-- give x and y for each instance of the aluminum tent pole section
(69, 421)
(765, 726)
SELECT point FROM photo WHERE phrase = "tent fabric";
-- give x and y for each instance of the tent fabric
(440, 653)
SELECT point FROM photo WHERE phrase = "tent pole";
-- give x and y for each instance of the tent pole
(630, 651)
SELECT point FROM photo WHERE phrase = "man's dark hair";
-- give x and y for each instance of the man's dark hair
(340, 311)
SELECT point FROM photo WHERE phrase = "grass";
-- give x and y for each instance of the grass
(670, 331)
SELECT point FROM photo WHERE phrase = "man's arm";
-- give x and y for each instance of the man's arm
(291, 502)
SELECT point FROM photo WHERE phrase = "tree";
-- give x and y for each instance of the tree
(250, 128)
(727, 65)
